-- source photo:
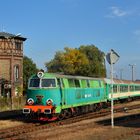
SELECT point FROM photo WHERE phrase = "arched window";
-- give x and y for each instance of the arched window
(16, 72)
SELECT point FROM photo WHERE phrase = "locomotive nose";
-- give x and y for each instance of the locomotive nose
(39, 99)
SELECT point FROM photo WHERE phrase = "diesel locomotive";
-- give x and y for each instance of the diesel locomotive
(52, 96)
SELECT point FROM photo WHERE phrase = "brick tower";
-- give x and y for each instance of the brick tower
(11, 64)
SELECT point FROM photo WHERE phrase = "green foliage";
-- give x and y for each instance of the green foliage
(16, 102)
(96, 60)
(71, 61)
(19, 91)
(86, 60)
(29, 68)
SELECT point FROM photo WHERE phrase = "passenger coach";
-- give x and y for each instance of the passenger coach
(122, 89)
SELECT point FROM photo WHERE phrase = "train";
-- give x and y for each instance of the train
(53, 96)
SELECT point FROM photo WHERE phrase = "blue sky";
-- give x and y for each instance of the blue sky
(51, 25)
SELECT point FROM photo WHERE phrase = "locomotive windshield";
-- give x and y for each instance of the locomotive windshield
(48, 83)
(44, 83)
(34, 82)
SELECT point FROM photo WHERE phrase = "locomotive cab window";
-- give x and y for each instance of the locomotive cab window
(34, 83)
(48, 83)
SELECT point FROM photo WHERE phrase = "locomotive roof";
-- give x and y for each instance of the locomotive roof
(106, 80)
(51, 75)
(73, 76)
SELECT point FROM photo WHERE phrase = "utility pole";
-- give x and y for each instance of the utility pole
(132, 68)
(121, 71)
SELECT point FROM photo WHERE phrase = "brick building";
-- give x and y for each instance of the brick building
(11, 64)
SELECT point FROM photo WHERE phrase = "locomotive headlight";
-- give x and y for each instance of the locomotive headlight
(30, 101)
(40, 74)
(49, 102)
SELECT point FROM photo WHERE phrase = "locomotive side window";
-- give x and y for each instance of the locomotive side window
(94, 83)
(71, 82)
(74, 83)
(77, 84)
(48, 83)
(34, 83)
(88, 84)
(85, 83)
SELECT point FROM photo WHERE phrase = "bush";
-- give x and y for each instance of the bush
(11, 103)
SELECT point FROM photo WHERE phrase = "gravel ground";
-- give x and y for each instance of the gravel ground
(91, 129)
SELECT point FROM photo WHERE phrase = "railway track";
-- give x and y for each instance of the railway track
(19, 132)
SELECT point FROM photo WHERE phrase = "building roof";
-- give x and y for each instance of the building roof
(8, 35)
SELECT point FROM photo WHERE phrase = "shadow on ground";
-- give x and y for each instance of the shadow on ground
(125, 121)
(17, 115)
(13, 115)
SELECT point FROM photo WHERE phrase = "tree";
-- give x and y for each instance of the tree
(56, 65)
(71, 61)
(29, 68)
(96, 60)
(74, 62)
(86, 60)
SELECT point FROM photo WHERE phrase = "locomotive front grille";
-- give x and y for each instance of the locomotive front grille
(26, 110)
(47, 111)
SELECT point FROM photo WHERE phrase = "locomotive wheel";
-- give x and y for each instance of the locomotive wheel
(94, 108)
(76, 112)
(67, 114)
(61, 116)
(99, 107)
(105, 105)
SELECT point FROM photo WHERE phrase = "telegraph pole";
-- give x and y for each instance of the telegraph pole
(132, 67)
(121, 71)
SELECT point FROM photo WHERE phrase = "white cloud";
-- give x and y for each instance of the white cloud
(137, 32)
(117, 12)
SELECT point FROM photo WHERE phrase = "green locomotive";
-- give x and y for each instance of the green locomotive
(54, 96)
